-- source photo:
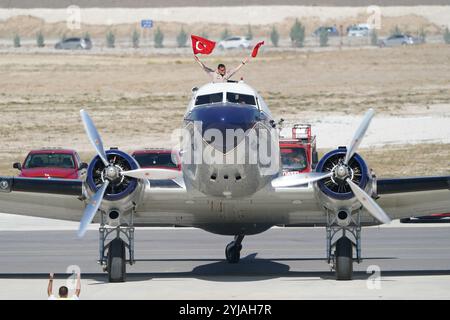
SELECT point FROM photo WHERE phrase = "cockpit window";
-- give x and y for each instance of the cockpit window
(293, 159)
(209, 98)
(241, 98)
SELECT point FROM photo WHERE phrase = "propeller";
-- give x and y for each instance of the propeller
(366, 201)
(91, 209)
(112, 173)
(298, 179)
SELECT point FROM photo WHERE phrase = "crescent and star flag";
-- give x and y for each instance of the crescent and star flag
(255, 49)
(202, 45)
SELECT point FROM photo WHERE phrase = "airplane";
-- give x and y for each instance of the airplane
(228, 184)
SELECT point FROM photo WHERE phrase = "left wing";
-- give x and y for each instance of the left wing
(39, 197)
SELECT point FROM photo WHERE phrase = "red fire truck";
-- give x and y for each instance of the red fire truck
(297, 148)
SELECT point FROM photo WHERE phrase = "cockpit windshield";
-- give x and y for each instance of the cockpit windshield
(209, 98)
(293, 159)
(241, 98)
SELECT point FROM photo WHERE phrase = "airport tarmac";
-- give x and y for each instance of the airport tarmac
(282, 263)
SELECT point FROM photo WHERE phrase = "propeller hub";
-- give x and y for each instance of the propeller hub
(341, 172)
(112, 172)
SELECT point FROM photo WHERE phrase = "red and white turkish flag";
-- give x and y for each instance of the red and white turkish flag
(255, 49)
(202, 45)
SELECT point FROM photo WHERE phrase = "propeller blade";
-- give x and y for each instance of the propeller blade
(298, 179)
(93, 136)
(368, 203)
(153, 173)
(359, 135)
(91, 209)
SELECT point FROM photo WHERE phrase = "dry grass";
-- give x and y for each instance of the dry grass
(136, 101)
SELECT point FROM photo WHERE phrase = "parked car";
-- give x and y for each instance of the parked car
(332, 31)
(157, 158)
(234, 43)
(52, 163)
(358, 30)
(398, 40)
(74, 43)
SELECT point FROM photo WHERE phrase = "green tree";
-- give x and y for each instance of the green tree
(274, 36)
(87, 36)
(225, 34)
(249, 34)
(16, 41)
(135, 39)
(323, 37)
(447, 36)
(297, 34)
(40, 39)
(110, 39)
(159, 38)
(182, 38)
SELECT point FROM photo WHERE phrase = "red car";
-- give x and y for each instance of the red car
(52, 163)
(157, 158)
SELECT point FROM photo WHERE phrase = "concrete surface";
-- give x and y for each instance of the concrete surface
(188, 264)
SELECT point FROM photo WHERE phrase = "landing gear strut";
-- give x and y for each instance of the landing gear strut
(233, 249)
(340, 252)
(113, 256)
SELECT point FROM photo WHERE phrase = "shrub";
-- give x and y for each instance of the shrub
(422, 34)
(158, 38)
(182, 38)
(110, 39)
(396, 31)
(323, 37)
(447, 36)
(297, 34)
(225, 34)
(135, 39)
(274, 36)
(87, 36)
(16, 41)
(40, 40)
(249, 34)
(374, 38)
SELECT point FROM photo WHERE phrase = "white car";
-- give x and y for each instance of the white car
(234, 43)
(360, 30)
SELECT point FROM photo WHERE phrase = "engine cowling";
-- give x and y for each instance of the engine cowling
(122, 192)
(333, 192)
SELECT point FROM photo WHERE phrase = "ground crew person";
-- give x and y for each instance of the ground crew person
(221, 74)
(63, 291)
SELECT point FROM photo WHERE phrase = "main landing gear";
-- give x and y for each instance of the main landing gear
(113, 255)
(340, 251)
(233, 249)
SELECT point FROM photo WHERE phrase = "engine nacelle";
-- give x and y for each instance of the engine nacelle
(334, 193)
(122, 193)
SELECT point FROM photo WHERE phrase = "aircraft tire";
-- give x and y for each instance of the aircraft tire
(344, 259)
(116, 261)
(233, 252)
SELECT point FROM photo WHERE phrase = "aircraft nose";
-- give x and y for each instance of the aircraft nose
(225, 126)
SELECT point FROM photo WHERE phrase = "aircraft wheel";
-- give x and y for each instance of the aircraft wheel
(233, 252)
(344, 259)
(116, 261)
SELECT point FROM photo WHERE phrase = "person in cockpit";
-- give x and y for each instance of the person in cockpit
(220, 74)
